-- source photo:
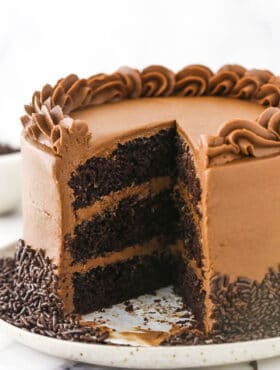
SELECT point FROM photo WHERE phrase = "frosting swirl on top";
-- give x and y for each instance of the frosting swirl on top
(46, 120)
(105, 88)
(157, 81)
(47, 117)
(225, 80)
(269, 93)
(132, 81)
(249, 84)
(193, 80)
(243, 138)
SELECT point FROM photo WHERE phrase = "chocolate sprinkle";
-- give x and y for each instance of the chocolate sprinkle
(128, 306)
(187, 337)
(246, 309)
(29, 300)
(243, 310)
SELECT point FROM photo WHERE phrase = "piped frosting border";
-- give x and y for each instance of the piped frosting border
(239, 138)
(47, 119)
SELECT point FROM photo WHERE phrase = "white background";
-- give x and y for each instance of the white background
(41, 41)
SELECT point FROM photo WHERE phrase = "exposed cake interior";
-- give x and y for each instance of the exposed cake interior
(137, 227)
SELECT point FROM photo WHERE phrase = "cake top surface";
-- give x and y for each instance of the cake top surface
(207, 107)
(194, 115)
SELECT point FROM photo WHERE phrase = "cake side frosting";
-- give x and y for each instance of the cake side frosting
(241, 208)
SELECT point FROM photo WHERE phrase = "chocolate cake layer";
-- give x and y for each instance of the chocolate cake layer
(189, 286)
(134, 162)
(186, 170)
(133, 221)
(188, 230)
(104, 286)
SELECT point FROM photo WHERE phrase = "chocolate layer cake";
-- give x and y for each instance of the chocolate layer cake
(136, 180)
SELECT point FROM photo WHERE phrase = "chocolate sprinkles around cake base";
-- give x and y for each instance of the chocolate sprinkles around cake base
(246, 308)
(29, 300)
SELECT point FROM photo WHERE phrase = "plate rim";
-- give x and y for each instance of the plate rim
(150, 357)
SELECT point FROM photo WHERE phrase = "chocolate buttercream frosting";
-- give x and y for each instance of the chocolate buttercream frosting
(193, 81)
(243, 138)
(47, 119)
(157, 81)
(224, 81)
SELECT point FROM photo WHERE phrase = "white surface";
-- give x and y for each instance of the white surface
(42, 41)
(10, 184)
(10, 228)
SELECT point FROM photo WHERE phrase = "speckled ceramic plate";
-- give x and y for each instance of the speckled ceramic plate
(161, 311)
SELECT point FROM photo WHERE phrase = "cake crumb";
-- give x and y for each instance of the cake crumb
(128, 306)
(254, 365)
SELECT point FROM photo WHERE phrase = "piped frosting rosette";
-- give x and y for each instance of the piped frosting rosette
(243, 138)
